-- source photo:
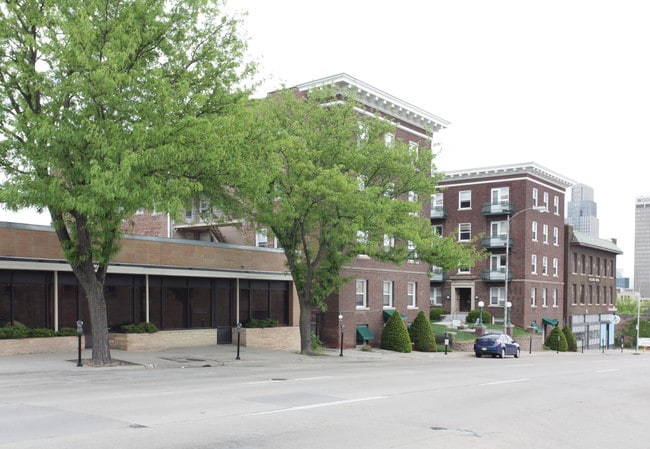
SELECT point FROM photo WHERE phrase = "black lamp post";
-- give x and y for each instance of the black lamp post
(238, 339)
(480, 313)
(342, 332)
(80, 332)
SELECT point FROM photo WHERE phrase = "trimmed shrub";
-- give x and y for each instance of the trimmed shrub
(262, 322)
(41, 333)
(436, 313)
(474, 315)
(552, 340)
(571, 341)
(66, 332)
(139, 328)
(421, 334)
(7, 332)
(395, 336)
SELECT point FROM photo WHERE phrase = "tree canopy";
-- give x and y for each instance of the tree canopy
(108, 107)
(330, 187)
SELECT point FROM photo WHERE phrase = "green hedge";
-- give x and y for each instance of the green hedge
(139, 328)
(473, 315)
(262, 322)
(436, 313)
(21, 331)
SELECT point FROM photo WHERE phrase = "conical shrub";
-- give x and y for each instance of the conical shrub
(552, 340)
(571, 341)
(422, 334)
(395, 336)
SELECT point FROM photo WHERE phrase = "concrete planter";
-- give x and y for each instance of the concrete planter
(286, 338)
(48, 345)
(137, 342)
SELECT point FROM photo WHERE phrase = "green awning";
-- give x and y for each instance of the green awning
(389, 312)
(550, 321)
(535, 326)
(364, 333)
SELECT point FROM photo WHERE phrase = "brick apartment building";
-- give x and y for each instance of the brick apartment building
(496, 205)
(590, 288)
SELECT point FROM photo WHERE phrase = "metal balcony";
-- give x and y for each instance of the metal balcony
(496, 242)
(489, 275)
(500, 208)
(437, 275)
(438, 212)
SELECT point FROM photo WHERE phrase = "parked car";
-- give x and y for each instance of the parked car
(495, 344)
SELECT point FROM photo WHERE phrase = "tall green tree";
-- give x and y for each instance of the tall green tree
(112, 106)
(330, 188)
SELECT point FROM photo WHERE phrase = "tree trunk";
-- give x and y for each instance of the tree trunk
(305, 327)
(94, 289)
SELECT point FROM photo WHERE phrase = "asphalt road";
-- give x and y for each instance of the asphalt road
(565, 400)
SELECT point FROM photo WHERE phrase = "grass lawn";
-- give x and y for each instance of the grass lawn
(461, 335)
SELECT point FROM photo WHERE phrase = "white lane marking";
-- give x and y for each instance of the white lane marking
(608, 370)
(506, 381)
(324, 404)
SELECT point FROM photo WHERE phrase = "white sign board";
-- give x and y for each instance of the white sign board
(644, 341)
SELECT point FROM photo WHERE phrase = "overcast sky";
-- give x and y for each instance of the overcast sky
(565, 84)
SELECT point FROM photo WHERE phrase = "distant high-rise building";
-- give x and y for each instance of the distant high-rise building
(642, 246)
(582, 210)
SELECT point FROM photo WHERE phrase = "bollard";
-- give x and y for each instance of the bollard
(80, 331)
(238, 339)
(446, 342)
(530, 346)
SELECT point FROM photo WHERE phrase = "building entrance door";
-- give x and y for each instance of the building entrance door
(464, 299)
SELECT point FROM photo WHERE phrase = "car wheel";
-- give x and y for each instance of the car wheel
(478, 354)
(517, 353)
(503, 353)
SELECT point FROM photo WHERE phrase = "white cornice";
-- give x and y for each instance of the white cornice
(529, 168)
(380, 100)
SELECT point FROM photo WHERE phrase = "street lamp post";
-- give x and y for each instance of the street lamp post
(505, 302)
(480, 313)
(342, 332)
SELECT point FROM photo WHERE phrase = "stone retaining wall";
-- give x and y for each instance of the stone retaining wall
(286, 338)
(47, 345)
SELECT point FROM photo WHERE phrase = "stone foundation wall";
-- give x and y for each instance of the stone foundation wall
(49, 345)
(286, 338)
(163, 340)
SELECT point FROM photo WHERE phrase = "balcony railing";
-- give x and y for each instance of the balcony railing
(489, 275)
(437, 275)
(499, 208)
(438, 212)
(496, 242)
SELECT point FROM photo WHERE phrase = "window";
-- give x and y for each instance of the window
(533, 263)
(261, 238)
(465, 199)
(500, 196)
(410, 294)
(388, 294)
(389, 139)
(546, 200)
(556, 205)
(362, 297)
(545, 234)
(575, 263)
(438, 229)
(555, 297)
(437, 206)
(534, 229)
(435, 296)
(412, 253)
(362, 237)
(533, 297)
(464, 232)
(497, 296)
(535, 197)
(499, 229)
(544, 298)
(574, 294)
(188, 214)
(556, 269)
(413, 149)
(556, 236)
(544, 266)
(389, 242)
(498, 262)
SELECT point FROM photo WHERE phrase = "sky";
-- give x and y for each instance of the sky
(565, 84)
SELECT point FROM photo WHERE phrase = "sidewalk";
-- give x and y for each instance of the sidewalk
(204, 356)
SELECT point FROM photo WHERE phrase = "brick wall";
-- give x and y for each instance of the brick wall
(53, 345)
(278, 338)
